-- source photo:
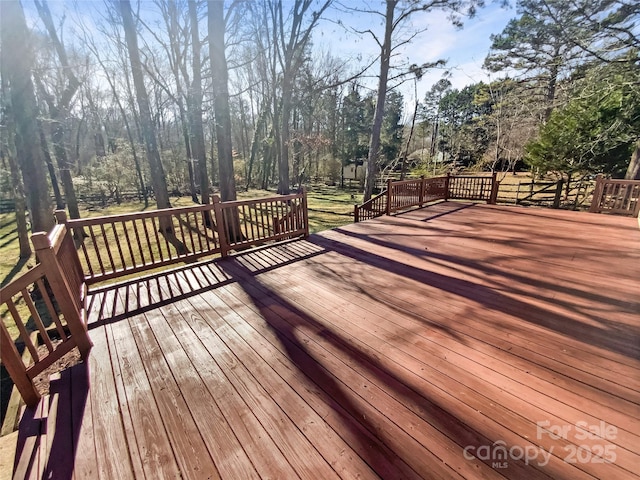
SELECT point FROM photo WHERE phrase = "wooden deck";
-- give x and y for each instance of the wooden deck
(455, 341)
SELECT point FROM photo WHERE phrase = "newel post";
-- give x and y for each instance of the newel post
(62, 292)
(305, 212)
(389, 196)
(447, 183)
(597, 194)
(220, 226)
(423, 187)
(495, 185)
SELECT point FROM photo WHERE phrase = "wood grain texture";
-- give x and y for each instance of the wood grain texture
(381, 349)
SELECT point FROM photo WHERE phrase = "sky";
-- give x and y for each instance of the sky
(464, 49)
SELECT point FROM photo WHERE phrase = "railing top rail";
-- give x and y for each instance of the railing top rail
(373, 199)
(20, 283)
(484, 175)
(253, 201)
(621, 181)
(119, 217)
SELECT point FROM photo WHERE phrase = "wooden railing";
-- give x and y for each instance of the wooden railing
(404, 194)
(51, 292)
(468, 187)
(54, 291)
(117, 245)
(250, 223)
(372, 208)
(620, 197)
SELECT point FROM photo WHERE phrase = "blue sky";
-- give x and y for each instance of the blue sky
(465, 49)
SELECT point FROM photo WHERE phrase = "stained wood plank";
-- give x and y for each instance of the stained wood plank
(378, 350)
(444, 333)
(456, 365)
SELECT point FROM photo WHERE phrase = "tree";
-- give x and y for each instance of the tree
(292, 40)
(431, 111)
(195, 105)
(391, 131)
(146, 124)
(220, 85)
(604, 29)
(8, 152)
(58, 106)
(16, 68)
(395, 16)
(535, 45)
(597, 130)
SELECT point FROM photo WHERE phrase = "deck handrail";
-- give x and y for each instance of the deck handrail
(113, 246)
(403, 194)
(620, 197)
(61, 277)
(372, 208)
(50, 289)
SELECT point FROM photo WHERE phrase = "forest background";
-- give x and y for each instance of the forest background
(186, 97)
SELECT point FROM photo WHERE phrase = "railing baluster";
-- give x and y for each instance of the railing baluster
(52, 311)
(117, 238)
(96, 249)
(140, 249)
(129, 245)
(24, 335)
(107, 246)
(35, 315)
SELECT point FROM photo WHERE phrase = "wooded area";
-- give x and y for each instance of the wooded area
(187, 97)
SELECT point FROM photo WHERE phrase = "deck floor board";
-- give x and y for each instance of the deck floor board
(386, 349)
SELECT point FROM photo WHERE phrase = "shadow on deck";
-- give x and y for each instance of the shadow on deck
(454, 341)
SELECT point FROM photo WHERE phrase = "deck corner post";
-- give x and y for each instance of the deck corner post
(355, 213)
(447, 185)
(305, 212)
(61, 216)
(389, 196)
(220, 226)
(495, 186)
(597, 194)
(12, 361)
(62, 292)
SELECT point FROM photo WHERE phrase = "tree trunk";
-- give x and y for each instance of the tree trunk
(18, 189)
(195, 106)
(16, 65)
(285, 114)
(146, 124)
(60, 111)
(52, 171)
(219, 78)
(633, 171)
(374, 144)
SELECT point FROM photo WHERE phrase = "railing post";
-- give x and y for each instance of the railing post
(447, 182)
(305, 212)
(389, 183)
(558, 195)
(597, 194)
(495, 186)
(220, 226)
(62, 292)
(356, 213)
(61, 218)
(12, 361)
(423, 186)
